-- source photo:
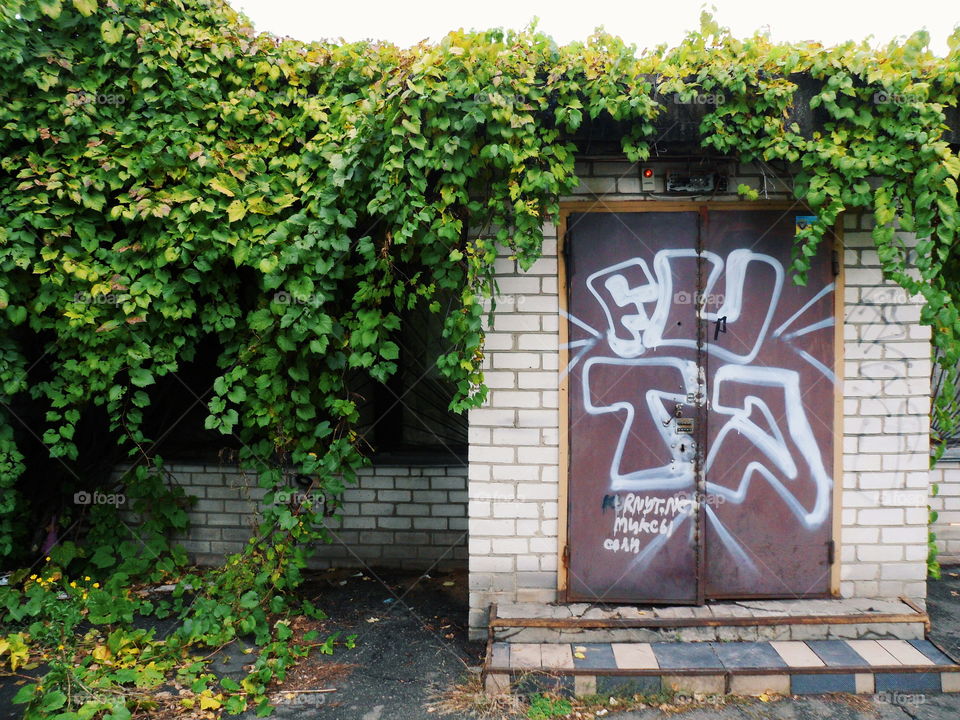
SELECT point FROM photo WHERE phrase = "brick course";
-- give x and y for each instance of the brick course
(409, 517)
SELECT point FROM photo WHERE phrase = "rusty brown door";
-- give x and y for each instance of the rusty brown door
(770, 380)
(700, 396)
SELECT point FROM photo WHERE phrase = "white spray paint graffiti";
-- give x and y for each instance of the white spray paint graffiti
(634, 329)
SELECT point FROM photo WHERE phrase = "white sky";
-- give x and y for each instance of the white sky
(641, 22)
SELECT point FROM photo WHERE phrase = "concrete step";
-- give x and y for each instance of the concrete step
(757, 620)
(740, 668)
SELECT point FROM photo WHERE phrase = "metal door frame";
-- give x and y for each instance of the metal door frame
(632, 206)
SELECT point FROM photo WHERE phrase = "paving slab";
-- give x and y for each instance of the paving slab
(837, 653)
(904, 652)
(635, 656)
(797, 654)
(873, 652)
(686, 655)
(748, 655)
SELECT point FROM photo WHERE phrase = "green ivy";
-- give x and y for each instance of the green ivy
(169, 176)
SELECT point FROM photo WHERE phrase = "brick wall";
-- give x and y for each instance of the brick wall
(410, 517)
(886, 444)
(514, 438)
(947, 503)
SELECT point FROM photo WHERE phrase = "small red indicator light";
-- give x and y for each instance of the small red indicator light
(648, 172)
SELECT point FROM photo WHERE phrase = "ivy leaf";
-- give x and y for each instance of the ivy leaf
(51, 8)
(141, 377)
(225, 184)
(118, 712)
(16, 314)
(249, 600)
(209, 702)
(85, 7)
(389, 351)
(952, 164)
(235, 704)
(236, 210)
(110, 32)
(103, 557)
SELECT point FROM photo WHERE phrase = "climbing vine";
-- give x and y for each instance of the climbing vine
(169, 177)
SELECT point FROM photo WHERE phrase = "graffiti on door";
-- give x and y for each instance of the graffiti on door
(744, 390)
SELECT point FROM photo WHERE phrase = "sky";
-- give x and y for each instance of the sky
(641, 22)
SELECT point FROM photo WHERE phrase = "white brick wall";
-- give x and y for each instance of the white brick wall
(514, 439)
(410, 517)
(885, 424)
(513, 445)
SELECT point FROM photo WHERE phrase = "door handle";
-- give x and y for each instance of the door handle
(721, 327)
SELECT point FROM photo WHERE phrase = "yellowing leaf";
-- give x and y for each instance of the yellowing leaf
(85, 7)
(51, 8)
(236, 210)
(260, 206)
(17, 648)
(209, 702)
(101, 653)
(219, 185)
(110, 32)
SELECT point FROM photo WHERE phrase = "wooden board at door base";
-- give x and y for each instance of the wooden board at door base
(697, 384)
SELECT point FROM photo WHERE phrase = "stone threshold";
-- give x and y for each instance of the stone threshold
(721, 621)
(743, 612)
(739, 668)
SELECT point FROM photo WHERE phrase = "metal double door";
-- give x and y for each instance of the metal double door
(700, 393)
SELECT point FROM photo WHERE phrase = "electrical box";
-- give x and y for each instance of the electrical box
(700, 183)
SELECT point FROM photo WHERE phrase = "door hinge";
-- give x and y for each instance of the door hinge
(566, 556)
(836, 263)
(831, 552)
(568, 253)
